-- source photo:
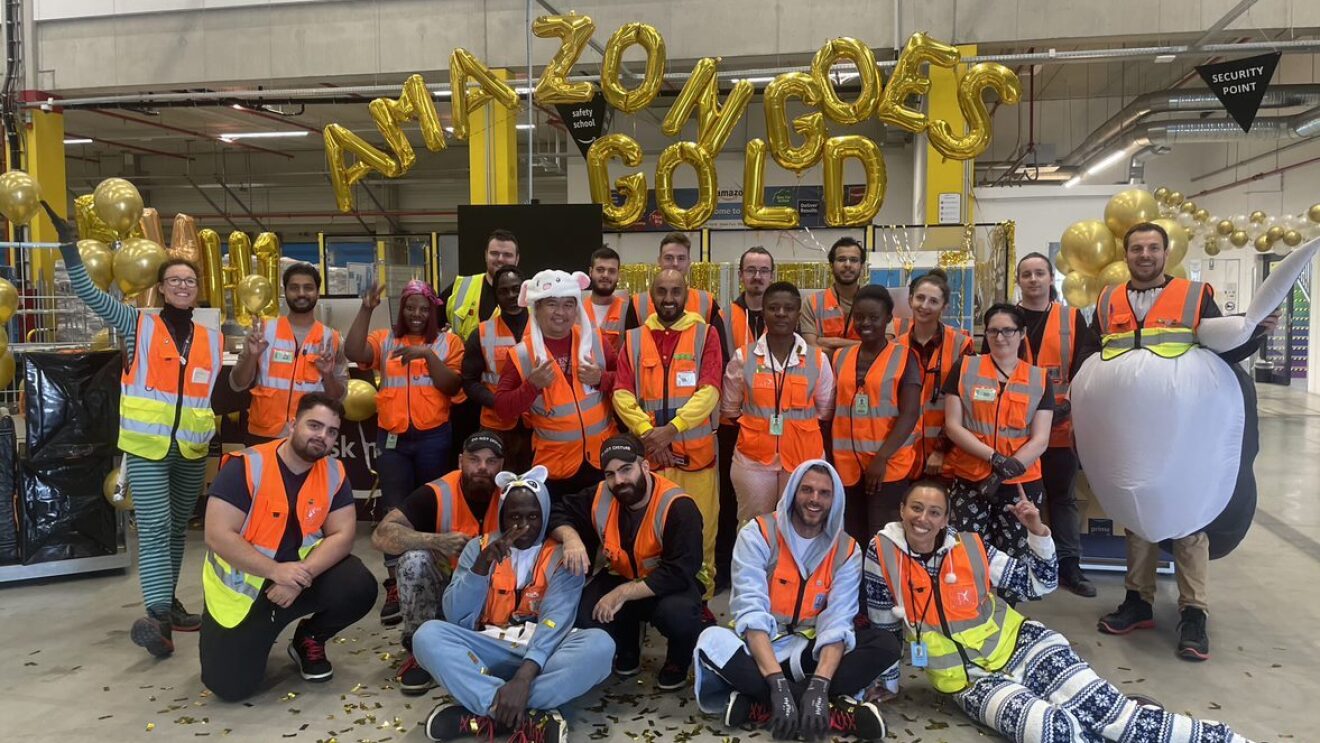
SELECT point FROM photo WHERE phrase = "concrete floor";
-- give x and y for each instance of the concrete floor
(68, 671)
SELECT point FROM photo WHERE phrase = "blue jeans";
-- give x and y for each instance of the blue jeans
(418, 457)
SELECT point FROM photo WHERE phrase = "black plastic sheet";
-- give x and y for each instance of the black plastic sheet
(9, 496)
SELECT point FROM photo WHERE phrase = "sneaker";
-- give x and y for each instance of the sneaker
(541, 727)
(414, 680)
(390, 614)
(153, 632)
(184, 620)
(859, 719)
(1072, 578)
(1193, 642)
(672, 676)
(451, 720)
(627, 663)
(707, 616)
(308, 653)
(742, 710)
(1133, 614)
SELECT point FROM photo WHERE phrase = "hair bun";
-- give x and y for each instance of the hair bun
(938, 272)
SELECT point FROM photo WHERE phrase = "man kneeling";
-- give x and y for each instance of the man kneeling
(794, 660)
(280, 524)
(507, 650)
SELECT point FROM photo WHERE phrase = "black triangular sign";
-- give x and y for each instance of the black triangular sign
(1241, 84)
(585, 121)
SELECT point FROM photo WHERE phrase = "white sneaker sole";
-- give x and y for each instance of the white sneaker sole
(293, 654)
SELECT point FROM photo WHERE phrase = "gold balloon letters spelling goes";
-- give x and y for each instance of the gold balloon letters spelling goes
(473, 84)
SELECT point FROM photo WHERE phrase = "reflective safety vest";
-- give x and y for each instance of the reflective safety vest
(644, 556)
(899, 326)
(507, 604)
(954, 344)
(286, 372)
(999, 419)
(408, 396)
(738, 328)
(831, 320)
(1169, 329)
(958, 617)
(612, 326)
(497, 343)
(795, 601)
(165, 395)
(662, 391)
(801, 438)
(1056, 357)
(866, 410)
(569, 420)
(698, 301)
(453, 515)
(229, 591)
(463, 307)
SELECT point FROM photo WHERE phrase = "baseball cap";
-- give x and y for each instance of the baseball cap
(623, 446)
(484, 439)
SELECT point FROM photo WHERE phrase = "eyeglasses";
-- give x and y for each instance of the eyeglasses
(1001, 332)
(758, 271)
(181, 281)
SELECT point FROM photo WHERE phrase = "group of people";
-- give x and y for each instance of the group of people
(563, 467)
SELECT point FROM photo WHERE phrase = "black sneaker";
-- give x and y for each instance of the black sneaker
(542, 726)
(742, 710)
(1133, 614)
(672, 676)
(627, 663)
(308, 653)
(1193, 641)
(451, 720)
(413, 679)
(1072, 578)
(153, 632)
(184, 620)
(390, 614)
(859, 719)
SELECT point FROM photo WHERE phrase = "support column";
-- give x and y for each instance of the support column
(493, 153)
(43, 145)
(945, 176)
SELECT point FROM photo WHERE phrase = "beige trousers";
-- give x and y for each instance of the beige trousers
(1191, 559)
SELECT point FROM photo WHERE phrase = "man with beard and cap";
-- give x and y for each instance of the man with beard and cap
(280, 524)
(666, 391)
(506, 650)
(650, 533)
(608, 312)
(793, 660)
(471, 300)
(484, 359)
(283, 361)
(429, 529)
(827, 314)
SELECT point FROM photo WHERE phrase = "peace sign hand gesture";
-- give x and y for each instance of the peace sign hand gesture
(255, 343)
(325, 361)
(371, 298)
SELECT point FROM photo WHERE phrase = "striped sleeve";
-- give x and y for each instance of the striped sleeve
(120, 316)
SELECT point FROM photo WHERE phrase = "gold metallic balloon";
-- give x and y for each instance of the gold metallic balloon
(1263, 244)
(1179, 239)
(7, 370)
(863, 106)
(1292, 238)
(957, 146)
(464, 67)
(8, 300)
(701, 93)
(20, 197)
(1180, 272)
(631, 187)
(99, 262)
(1313, 213)
(691, 217)
(266, 250)
(1211, 249)
(1188, 207)
(91, 226)
(1275, 233)
(360, 400)
(4, 342)
(1089, 247)
(802, 86)
(1225, 228)
(1114, 274)
(837, 211)
(136, 264)
(573, 31)
(755, 212)
(121, 500)
(213, 274)
(634, 100)
(1161, 194)
(339, 140)
(1174, 198)
(149, 224)
(254, 292)
(118, 204)
(1061, 263)
(1130, 207)
(1239, 238)
(1257, 217)
(909, 79)
(1200, 216)
(1080, 290)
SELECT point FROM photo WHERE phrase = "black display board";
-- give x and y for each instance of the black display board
(561, 236)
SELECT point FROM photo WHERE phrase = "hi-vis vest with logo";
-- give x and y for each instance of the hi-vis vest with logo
(698, 301)
(408, 396)
(1169, 329)
(1056, 357)
(505, 603)
(638, 561)
(612, 326)
(229, 591)
(831, 320)
(858, 435)
(659, 391)
(801, 438)
(962, 622)
(954, 344)
(463, 307)
(497, 343)
(795, 601)
(452, 512)
(286, 372)
(999, 419)
(150, 398)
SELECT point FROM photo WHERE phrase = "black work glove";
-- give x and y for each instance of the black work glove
(67, 230)
(1006, 467)
(1062, 411)
(815, 708)
(783, 711)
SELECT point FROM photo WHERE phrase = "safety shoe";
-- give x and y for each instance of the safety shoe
(672, 676)
(1133, 614)
(414, 680)
(541, 726)
(308, 653)
(707, 616)
(1072, 578)
(859, 719)
(742, 710)
(153, 632)
(390, 614)
(627, 663)
(182, 619)
(1193, 641)
(450, 720)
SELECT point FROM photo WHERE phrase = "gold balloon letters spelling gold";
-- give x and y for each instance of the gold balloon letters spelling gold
(755, 213)
(868, 76)
(838, 149)
(702, 92)
(632, 101)
(632, 187)
(812, 126)
(574, 31)
(694, 216)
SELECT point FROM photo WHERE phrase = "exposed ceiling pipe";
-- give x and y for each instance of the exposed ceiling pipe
(1223, 22)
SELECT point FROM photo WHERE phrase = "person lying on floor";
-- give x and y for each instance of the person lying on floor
(506, 650)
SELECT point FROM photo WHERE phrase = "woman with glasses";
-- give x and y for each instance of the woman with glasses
(165, 426)
(998, 410)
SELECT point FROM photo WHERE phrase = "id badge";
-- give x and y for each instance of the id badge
(686, 379)
(284, 357)
(391, 441)
(201, 376)
(776, 425)
(919, 655)
(861, 404)
(985, 394)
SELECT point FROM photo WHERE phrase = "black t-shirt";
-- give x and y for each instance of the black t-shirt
(955, 375)
(230, 486)
(1085, 341)
(474, 362)
(912, 373)
(420, 508)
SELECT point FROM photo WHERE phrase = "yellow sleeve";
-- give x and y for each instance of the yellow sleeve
(697, 410)
(636, 419)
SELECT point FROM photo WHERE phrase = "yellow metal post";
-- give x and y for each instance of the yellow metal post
(493, 153)
(945, 177)
(433, 260)
(325, 270)
(44, 155)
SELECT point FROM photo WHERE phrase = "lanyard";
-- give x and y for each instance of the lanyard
(780, 379)
(1000, 369)
(847, 321)
(938, 355)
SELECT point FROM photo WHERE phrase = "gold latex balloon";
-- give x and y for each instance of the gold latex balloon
(1114, 274)
(908, 80)
(7, 370)
(136, 264)
(1061, 263)
(99, 262)
(118, 204)
(1313, 213)
(1080, 290)
(121, 500)
(1174, 198)
(1130, 207)
(838, 149)
(1256, 217)
(8, 300)
(701, 93)
(1211, 249)
(213, 274)
(1263, 244)
(632, 187)
(573, 31)
(692, 217)
(974, 112)
(1275, 233)
(4, 342)
(1089, 247)
(802, 86)
(1188, 207)
(1224, 228)
(755, 213)
(1200, 216)
(861, 55)
(254, 292)
(1239, 238)
(360, 400)
(91, 226)
(1292, 238)
(1179, 239)
(20, 197)
(1180, 272)
(625, 100)
(1161, 194)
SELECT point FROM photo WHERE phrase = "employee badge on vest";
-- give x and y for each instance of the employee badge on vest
(283, 357)
(861, 404)
(686, 379)
(777, 425)
(984, 394)
(819, 603)
(919, 655)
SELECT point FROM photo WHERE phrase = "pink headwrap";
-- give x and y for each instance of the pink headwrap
(417, 286)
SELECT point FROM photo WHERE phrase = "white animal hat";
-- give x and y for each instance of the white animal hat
(551, 283)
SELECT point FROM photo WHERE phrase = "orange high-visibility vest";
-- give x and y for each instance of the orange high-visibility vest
(660, 390)
(569, 420)
(612, 326)
(507, 604)
(865, 412)
(452, 512)
(698, 301)
(795, 601)
(801, 438)
(954, 344)
(165, 393)
(497, 342)
(1000, 420)
(899, 327)
(831, 320)
(1169, 329)
(643, 557)
(738, 327)
(286, 372)
(1057, 346)
(408, 396)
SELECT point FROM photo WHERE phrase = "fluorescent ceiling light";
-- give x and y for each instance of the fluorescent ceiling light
(524, 127)
(1073, 181)
(754, 80)
(261, 135)
(77, 141)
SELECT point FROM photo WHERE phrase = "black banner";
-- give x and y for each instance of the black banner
(1241, 84)
(585, 121)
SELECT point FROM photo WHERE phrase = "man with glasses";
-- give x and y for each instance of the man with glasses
(827, 314)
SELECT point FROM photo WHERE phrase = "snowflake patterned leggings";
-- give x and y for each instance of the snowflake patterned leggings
(1047, 694)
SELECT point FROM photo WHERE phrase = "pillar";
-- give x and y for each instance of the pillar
(493, 153)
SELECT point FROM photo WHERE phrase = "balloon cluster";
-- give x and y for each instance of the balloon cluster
(1266, 233)
(1091, 251)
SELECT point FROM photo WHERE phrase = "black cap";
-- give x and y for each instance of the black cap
(624, 446)
(484, 439)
